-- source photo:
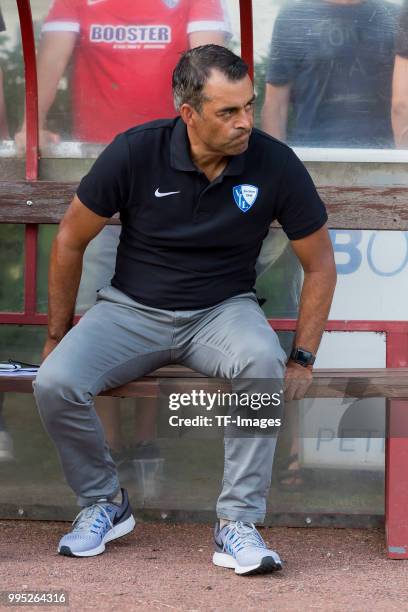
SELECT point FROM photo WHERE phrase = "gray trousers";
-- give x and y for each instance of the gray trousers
(119, 340)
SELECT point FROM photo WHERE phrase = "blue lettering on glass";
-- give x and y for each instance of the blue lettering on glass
(324, 435)
(355, 256)
(370, 259)
(350, 248)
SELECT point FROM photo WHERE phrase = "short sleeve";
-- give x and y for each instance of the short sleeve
(208, 16)
(63, 16)
(300, 209)
(283, 52)
(105, 189)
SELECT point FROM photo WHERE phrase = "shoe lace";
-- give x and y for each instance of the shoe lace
(241, 535)
(93, 518)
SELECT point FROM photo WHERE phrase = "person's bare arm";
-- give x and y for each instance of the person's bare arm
(78, 226)
(399, 107)
(54, 53)
(275, 110)
(315, 253)
(196, 39)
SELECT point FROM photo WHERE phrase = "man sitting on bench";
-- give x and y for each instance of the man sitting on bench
(196, 196)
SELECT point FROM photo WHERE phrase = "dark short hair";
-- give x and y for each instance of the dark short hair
(194, 68)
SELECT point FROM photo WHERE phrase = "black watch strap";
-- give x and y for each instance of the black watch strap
(302, 356)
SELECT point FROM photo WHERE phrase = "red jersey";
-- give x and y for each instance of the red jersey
(125, 55)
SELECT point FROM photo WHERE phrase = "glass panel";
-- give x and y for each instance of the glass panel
(98, 266)
(21, 342)
(372, 268)
(12, 90)
(46, 235)
(31, 479)
(338, 443)
(114, 69)
(12, 266)
(231, 8)
(336, 449)
(183, 471)
(328, 69)
(279, 277)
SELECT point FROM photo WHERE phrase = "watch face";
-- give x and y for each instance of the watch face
(302, 357)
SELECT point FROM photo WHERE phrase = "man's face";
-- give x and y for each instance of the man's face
(226, 119)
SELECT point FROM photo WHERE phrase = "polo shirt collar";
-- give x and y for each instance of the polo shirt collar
(180, 158)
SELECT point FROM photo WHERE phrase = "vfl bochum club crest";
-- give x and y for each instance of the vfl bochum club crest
(171, 3)
(245, 196)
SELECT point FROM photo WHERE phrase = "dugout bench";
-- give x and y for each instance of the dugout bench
(42, 202)
(33, 202)
(389, 383)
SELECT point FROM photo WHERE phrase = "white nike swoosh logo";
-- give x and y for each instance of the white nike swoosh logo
(161, 195)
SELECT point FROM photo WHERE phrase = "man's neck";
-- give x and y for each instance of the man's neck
(212, 164)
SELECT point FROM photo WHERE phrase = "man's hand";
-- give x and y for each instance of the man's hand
(49, 346)
(297, 380)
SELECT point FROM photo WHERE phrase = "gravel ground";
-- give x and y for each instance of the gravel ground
(168, 567)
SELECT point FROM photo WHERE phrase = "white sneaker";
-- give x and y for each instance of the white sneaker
(95, 526)
(6, 446)
(239, 546)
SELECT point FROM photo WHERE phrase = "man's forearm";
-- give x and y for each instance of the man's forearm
(275, 110)
(63, 283)
(315, 301)
(274, 121)
(55, 50)
(400, 124)
(399, 109)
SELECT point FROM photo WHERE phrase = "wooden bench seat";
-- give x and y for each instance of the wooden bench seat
(327, 383)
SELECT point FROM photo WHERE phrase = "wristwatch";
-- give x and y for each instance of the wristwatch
(302, 356)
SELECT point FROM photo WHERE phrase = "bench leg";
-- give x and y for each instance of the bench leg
(396, 480)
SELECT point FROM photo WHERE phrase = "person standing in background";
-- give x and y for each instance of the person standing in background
(329, 77)
(328, 84)
(122, 54)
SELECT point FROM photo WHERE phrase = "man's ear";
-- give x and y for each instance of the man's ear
(188, 114)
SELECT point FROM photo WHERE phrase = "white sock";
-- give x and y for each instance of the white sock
(224, 522)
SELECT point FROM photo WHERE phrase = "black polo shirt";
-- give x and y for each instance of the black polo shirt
(186, 242)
